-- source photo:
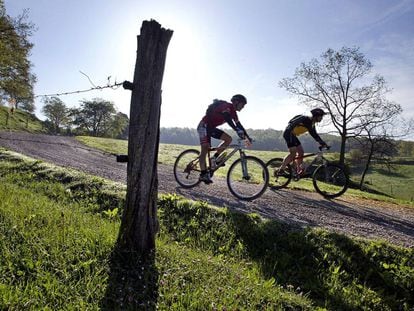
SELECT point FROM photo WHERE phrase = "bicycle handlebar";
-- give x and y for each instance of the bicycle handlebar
(240, 143)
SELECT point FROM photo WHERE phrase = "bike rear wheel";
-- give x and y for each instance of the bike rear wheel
(278, 181)
(247, 179)
(187, 168)
(330, 180)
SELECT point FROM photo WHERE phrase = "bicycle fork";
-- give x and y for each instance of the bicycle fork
(245, 172)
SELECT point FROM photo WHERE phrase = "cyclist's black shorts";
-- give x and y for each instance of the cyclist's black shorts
(291, 139)
(205, 133)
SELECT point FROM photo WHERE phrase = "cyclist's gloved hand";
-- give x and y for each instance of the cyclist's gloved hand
(240, 133)
(323, 145)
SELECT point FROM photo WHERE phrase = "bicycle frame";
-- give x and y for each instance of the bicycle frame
(319, 158)
(329, 179)
(236, 147)
(247, 176)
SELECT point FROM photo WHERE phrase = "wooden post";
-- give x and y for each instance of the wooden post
(139, 221)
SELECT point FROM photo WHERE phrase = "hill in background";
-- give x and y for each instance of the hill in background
(20, 121)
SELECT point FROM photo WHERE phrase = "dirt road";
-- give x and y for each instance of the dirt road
(347, 215)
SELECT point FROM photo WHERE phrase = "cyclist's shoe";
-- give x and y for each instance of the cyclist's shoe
(278, 173)
(205, 177)
(301, 172)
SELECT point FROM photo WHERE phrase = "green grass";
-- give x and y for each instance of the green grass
(59, 227)
(396, 187)
(398, 182)
(19, 121)
(57, 234)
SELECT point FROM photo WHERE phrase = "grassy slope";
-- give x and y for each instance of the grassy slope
(19, 121)
(58, 228)
(396, 187)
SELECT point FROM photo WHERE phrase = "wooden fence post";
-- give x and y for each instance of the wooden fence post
(139, 220)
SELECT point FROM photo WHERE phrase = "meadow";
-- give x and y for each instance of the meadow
(59, 229)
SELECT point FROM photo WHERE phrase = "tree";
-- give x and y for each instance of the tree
(375, 147)
(16, 78)
(339, 83)
(377, 133)
(56, 111)
(119, 126)
(95, 116)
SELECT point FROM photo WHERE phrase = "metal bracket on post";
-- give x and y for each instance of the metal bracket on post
(128, 85)
(122, 158)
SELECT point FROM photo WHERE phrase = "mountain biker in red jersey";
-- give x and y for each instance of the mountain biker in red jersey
(298, 125)
(217, 114)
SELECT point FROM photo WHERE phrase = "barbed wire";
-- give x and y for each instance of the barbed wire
(112, 86)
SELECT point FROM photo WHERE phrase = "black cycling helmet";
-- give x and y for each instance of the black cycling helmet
(317, 112)
(239, 98)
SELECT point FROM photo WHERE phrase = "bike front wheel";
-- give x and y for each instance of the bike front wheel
(187, 168)
(278, 180)
(247, 178)
(330, 180)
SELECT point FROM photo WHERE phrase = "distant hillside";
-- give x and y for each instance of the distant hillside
(19, 121)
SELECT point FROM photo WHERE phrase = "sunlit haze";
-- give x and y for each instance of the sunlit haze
(218, 48)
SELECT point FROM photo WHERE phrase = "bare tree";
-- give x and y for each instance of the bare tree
(379, 134)
(375, 146)
(339, 83)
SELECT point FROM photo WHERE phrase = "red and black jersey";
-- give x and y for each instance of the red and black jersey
(217, 116)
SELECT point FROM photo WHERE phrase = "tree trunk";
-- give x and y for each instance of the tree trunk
(139, 221)
(342, 152)
(367, 165)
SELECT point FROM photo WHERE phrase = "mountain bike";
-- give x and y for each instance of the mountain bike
(329, 179)
(247, 177)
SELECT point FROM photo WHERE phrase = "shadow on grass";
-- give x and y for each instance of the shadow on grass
(335, 271)
(332, 269)
(132, 283)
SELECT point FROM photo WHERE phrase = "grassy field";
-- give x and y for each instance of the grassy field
(396, 185)
(397, 182)
(59, 227)
(19, 121)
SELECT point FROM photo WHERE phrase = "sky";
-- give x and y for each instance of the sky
(219, 48)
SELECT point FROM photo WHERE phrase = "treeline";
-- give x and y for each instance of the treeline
(270, 139)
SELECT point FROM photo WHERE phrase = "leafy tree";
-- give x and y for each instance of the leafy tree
(56, 111)
(95, 116)
(339, 83)
(119, 126)
(26, 104)
(16, 78)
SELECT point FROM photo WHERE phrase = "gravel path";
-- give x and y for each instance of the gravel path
(350, 216)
